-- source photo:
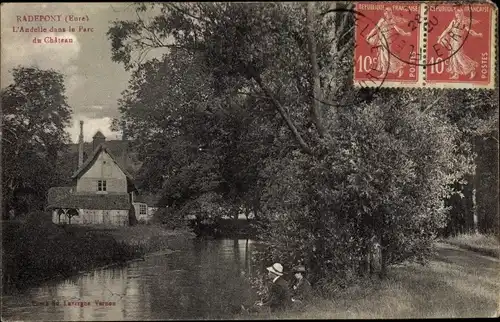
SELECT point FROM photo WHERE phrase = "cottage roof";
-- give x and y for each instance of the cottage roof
(117, 147)
(125, 153)
(92, 201)
(151, 200)
(90, 161)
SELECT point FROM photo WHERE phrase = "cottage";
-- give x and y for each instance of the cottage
(144, 206)
(102, 190)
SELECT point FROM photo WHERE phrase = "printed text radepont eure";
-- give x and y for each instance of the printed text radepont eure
(52, 18)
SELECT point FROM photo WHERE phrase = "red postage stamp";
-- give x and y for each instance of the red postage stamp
(388, 37)
(460, 45)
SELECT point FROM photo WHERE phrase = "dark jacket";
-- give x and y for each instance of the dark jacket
(279, 295)
(302, 290)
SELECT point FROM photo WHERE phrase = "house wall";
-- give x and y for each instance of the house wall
(145, 217)
(152, 210)
(104, 168)
(95, 217)
(55, 217)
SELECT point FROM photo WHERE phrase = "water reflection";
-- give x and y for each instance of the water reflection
(202, 281)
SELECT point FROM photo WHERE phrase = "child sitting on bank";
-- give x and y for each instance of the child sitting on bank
(301, 289)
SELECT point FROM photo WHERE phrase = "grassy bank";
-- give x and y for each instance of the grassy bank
(456, 283)
(488, 245)
(36, 250)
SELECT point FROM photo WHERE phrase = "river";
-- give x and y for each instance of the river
(203, 280)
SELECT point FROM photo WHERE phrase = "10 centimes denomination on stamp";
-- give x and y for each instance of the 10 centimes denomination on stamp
(426, 44)
(387, 49)
(461, 45)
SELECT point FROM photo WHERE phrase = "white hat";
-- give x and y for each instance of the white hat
(276, 269)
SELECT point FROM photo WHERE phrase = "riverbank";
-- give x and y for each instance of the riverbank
(224, 228)
(147, 238)
(37, 250)
(456, 283)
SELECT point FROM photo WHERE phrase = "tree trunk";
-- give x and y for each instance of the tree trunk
(383, 258)
(364, 265)
(256, 208)
(317, 97)
(486, 184)
(474, 209)
(375, 255)
(235, 213)
(475, 183)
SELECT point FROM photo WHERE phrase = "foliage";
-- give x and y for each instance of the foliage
(171, 219)
(195, 145)
(35, 114)
(276, 126)
(260, 284)
(385, 175)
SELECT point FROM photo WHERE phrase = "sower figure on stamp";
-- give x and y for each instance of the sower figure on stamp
(452, 39)
(381, 36)
(279, 294)
(301, 290)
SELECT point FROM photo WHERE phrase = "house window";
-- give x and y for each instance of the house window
(143, 209)
(101, 185)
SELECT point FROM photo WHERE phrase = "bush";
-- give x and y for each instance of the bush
(170, 218)
(374, 195)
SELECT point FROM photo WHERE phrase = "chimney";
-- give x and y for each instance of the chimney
(98, 139)
(124, 132)
(80, 146)
(125, 145)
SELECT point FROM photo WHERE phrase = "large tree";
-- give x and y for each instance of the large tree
(265, 72)
(274, 50)
(34, 116)
(193, 142)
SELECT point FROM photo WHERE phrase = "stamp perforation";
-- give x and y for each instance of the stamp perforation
(494, 53)
(457, 69)
(425, 10)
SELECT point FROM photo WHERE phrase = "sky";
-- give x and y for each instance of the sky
(93, 82)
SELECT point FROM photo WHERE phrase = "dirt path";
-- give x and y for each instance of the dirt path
(467, 260)
(471, 281)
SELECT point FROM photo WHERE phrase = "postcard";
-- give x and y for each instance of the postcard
(260, 160)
